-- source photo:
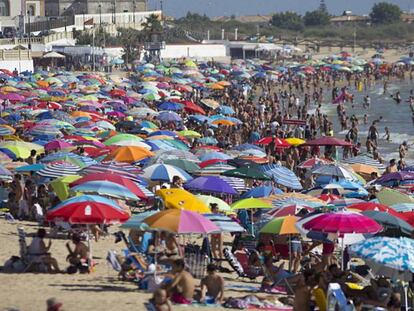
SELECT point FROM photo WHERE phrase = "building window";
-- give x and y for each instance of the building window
(4, 8)
(31, 9)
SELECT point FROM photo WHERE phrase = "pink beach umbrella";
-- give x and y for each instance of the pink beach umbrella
(181, 222)
(342, 223)
(57, 144)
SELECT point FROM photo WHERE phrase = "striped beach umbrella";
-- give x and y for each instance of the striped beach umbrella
(282, 176)
(59, 169)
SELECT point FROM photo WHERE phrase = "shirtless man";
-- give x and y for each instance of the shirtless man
(212, 285)
(181, 289)
(302, 295)
(79, 254)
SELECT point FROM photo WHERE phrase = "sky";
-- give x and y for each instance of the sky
(178, 8)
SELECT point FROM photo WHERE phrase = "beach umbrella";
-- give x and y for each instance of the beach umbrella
(210, 103)
(137, 221)
(250, 203)
(189, 134)
(371, 206)
(57, 145)
(175, 155)
(327, 141)
(59, 169)
(403, 207)
(393, 226)
(342, 223)
(182, 199)
(60, 185)
(210, 184)
(310, 163)
(261, 191)
(164, 172)
(295, 141)
(121, 137)
(208, 199)
(114, 178)
(282, 176)
(391, 257)
(30, 168)
(224, 223)
(278, 142)
(214, 155)
(281, 226)
(185, 165)
(333, 170)
(287, 210)
(395, 177)
(5, 174)
(248, 172)
(390, 197)
(168, 116)
(69, 157)
(128, 154)
(180, 222)
(6, 130)
(87, 209)
(106, 188)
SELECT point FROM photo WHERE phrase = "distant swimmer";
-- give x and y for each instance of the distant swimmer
(387, 134)
(397, 97)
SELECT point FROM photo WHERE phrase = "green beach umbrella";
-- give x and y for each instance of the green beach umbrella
(186, 165)
(247, 172)
(250, 203)
(208, 199)
(120, 137)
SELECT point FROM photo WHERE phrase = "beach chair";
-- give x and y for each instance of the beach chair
(196, 264)
(113, 261)
(235, 264)
(337, 300)
(29, 260)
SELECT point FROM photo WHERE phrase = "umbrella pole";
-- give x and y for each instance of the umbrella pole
(90, 249)
(406, 295)
(342, 254)
(290, 254)
(251, 221)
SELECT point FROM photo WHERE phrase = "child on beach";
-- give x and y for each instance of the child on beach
(387, 134)
(159, 301)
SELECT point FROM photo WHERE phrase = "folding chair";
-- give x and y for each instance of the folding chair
(28, 259)
(337, 299)
(235, 264)
(196, 264)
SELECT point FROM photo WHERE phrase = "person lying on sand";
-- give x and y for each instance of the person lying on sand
(212, 286)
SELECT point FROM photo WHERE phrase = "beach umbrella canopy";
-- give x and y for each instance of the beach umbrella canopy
(182, 199)
(5, 174)
(114, 178)
(188, 166)
(164, 172)
(208, 199)
(282, 176)
(389, 197)
(181, 222)
(59, 169)
(248, 172)
(87, 209)
(278, 142)
(57, 145)
(391, 257)
(328, 141)
(121, 137)
(281, 226)
(287, 210)
(128, 154)
(137, 221)
(342, 223)
(225, 224)
(124, 169)
(371, 206)
(333, 170)
(60, 185)
(397, 176)
(261, 191)
(211, 184)
(168, 116)
(393, 225)
(106, 188)
(250, 203)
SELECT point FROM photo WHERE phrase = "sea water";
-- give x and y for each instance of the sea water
(397, 117)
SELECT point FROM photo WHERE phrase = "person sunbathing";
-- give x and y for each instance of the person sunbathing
(38, 248)
(80, 254)
(212, 286)
(181, 288)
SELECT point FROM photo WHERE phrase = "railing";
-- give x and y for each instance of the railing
(37, 40)
(51, 23)
(15, 55)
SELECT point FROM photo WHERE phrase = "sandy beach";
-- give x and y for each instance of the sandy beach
(100, 290)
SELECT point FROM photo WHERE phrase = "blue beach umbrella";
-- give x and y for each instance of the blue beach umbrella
(106, 188)
(260, 192)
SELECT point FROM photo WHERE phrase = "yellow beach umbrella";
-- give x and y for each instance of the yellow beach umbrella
(295, 141)
(190, 134)
(61, 185)
(250, 203)
(182, 199)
